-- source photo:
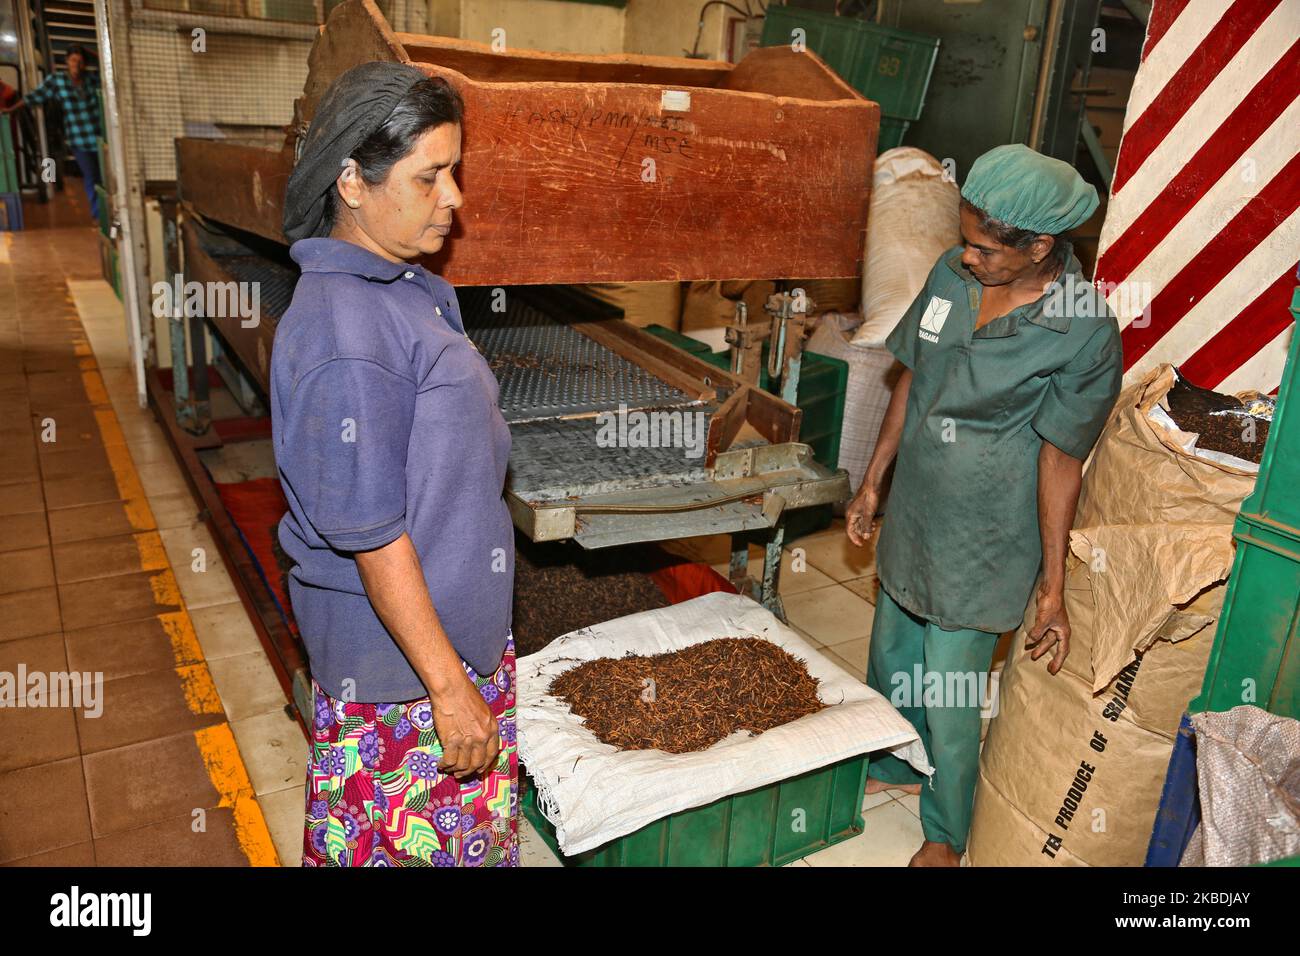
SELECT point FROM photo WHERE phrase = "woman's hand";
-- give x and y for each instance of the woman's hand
(1051, 630)
(860, 515)
(466, 729)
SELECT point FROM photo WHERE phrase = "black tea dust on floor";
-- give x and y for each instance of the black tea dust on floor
(687, 700)
(561, 587)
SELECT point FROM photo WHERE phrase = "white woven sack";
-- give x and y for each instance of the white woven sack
(913, 218)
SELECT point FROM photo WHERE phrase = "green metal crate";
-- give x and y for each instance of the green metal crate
(8, 159)
(770, 826)
(108, 261)
(823, 385)
(105, 215)
(697, 348)
(889, 66)
(1256, 656)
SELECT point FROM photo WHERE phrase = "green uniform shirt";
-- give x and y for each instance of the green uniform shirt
(960, 544)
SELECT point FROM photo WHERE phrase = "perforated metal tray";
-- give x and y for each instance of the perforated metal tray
(546, 369)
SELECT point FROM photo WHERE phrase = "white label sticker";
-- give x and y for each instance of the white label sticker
(679, 100)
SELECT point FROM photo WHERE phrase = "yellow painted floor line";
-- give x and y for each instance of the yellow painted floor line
(226, 770)
(216, 744)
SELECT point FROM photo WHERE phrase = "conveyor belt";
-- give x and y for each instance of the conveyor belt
(568, 477)
(274, 282)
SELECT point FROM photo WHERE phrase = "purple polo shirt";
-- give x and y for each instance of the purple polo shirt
(385, 419)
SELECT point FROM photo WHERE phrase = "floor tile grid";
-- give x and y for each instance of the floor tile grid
(270, 742)
(215, 743)
(269, 739)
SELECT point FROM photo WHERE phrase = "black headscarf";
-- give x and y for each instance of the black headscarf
(354, 106)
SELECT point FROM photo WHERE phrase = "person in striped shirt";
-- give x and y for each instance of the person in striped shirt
(76, 93)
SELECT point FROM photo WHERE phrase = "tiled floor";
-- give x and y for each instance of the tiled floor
(102, 559)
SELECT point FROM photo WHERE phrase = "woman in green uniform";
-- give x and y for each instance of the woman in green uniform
(1012, 364)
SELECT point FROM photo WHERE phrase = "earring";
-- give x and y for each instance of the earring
(352, 203)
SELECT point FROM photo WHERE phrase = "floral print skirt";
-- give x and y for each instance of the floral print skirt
(375, 796)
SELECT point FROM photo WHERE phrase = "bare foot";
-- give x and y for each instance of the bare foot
(879, 786)
(935, 854)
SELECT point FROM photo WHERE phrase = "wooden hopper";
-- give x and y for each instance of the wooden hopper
(761, 170)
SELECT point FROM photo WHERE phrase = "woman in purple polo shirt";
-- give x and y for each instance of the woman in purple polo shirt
(392, 454)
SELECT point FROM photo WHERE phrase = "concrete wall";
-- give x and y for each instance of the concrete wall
(656, 27)
(557, 25)
(668, 27)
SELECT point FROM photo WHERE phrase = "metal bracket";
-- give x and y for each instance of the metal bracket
(760, 460)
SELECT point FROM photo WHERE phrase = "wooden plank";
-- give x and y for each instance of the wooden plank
(774, 419)
(763, 173)
(725, 424)
(544, 205)
(646, 343)
(573, 182)
(235, 183)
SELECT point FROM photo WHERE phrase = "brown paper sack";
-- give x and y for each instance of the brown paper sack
(712, 305)
(643, 303)
(1073, 765)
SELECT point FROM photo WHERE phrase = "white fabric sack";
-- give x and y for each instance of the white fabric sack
(594, 793)
(870, 386)
(914, 216)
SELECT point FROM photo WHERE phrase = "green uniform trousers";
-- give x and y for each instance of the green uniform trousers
(937, 680)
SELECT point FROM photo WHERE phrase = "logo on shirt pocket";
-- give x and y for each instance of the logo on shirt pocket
(932, 321)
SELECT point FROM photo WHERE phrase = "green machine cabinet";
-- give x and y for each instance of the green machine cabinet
(1255, 658)
(1005, 72)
